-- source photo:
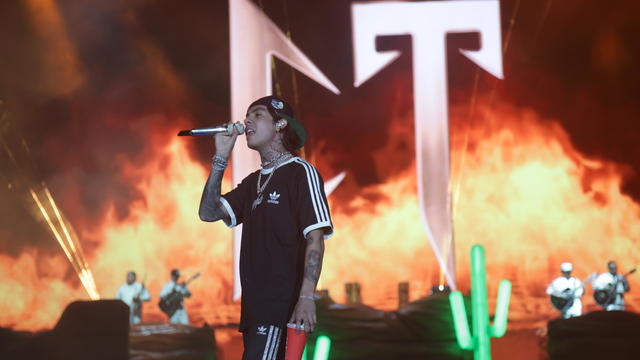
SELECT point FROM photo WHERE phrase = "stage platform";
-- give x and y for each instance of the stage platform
(422, 329)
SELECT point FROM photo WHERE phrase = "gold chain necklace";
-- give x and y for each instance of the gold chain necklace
(260, 189)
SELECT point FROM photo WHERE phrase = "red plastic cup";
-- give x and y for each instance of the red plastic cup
(295, 342)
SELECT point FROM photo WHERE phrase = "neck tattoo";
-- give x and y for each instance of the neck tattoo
(277, 161)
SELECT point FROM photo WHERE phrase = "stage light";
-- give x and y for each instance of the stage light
(440, 289)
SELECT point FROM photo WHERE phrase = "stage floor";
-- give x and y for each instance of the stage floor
(514, 345)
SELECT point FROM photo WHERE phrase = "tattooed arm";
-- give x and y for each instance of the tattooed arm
(305, 310)
(210, 207)
(312, 262)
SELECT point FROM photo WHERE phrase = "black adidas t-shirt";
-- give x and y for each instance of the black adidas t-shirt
(273, 237)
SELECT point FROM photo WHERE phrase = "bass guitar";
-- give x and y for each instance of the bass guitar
(173, 302)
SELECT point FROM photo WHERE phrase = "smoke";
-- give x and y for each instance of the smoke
(98, 90)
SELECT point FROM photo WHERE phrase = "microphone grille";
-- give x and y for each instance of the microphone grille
(240, 128)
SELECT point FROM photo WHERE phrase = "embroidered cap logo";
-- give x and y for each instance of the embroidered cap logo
(277, 104)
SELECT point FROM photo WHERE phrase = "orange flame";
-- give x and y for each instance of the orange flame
(163, 232)
(526, 194)
(35, 290)
(534, 201)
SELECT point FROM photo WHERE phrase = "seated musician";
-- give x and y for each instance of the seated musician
(566, 291)
(174, 293)
(610, 288)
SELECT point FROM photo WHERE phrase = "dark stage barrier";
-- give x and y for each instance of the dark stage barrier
(99, 330)
(172, 342)
(597, 335)
(422, 329)
(86, 330)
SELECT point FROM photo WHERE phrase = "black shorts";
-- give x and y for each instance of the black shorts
(264, 342)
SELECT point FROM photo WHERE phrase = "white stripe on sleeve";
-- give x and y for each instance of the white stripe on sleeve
(315, 193)
(232, 216)
(313, 199)
(319, 193)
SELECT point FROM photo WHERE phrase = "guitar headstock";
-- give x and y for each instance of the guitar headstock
(591, 277)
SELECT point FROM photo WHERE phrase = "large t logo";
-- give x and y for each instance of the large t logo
(428, 23)
(254, 39)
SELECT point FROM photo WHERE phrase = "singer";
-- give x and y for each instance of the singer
(285, 218)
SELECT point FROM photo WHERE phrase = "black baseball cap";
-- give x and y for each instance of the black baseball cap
(285, 111)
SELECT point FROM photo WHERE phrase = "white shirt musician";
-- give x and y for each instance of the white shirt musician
(567, 290)
(180, 315)
(612, 286)
(133, 294)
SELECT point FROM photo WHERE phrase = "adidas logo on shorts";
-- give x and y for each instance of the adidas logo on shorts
(262, 330)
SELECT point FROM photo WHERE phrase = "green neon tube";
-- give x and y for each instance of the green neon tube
(479, 338)
(323, 345)
(460, 324)
(499, 326)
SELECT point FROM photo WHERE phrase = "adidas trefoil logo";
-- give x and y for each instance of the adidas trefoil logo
(273, 198)
(262, 330)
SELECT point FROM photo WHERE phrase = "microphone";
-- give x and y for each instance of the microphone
(210, 131)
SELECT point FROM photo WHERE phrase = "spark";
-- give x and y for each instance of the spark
(473, 102)
(85, 273)
(61, 230)
(472, 105)
(54, 231)
(68, 243)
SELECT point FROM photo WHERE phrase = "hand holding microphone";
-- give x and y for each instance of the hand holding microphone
(225, 136)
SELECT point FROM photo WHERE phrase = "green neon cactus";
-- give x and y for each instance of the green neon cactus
(323, 345)
(480, 341)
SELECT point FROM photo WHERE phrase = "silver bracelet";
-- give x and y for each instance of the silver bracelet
(219, 163)
(217, 167)
(306, 297)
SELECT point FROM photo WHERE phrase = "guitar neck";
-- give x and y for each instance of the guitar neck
(630, 272)
(195, 276)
